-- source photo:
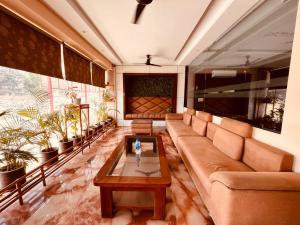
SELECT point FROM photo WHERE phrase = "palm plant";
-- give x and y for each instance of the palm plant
(103, 110)
(107, 96)
(58, 122)
(74, 119)
(37, 121)
(13, 142)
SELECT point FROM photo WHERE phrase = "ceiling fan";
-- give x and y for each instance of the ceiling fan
(140, 8)
(247, 62)
(148, 61)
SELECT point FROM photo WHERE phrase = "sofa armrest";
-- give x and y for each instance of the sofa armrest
(265, 181)
(174, 116)
(247, 198)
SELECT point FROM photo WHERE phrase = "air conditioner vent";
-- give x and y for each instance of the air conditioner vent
(224, 73)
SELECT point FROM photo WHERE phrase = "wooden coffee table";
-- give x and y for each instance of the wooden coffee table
(125, 177)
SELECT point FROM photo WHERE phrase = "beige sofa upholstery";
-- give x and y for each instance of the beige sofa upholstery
(187, 124)
(241, 180)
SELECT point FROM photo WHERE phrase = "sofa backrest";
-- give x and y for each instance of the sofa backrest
(237, 127)
(229, 143)
(190, 111)
(187, 116)
(211, 130)
(229, 137)
(199, 126)
(265, 158)
(204, 116)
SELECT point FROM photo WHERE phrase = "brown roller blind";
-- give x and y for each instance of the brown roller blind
(98, 76)
(25, 48)
(77, 68)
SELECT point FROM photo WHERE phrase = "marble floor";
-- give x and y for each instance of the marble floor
(71, 198)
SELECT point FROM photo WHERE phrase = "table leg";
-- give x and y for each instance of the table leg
(159, 204)
(106, 202)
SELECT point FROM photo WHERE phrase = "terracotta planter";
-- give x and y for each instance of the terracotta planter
(77, 140)
(65, 146)
(7, 177)
(48, 154)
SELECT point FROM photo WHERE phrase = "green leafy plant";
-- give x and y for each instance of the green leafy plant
(74, 120)
(14, 138)
(102, 111)
(59, 123)
(38, 122)
(107, 96)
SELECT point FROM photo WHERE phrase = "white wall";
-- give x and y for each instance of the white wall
(180, 70)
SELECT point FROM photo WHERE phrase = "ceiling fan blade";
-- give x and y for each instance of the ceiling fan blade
(150, 64)
(138, 12)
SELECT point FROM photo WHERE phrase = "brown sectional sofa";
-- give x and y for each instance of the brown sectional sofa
(241, 180)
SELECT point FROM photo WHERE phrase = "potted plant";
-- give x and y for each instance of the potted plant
(71, 94)
(74, 121)
(102, 112)
(59, 124)
(107, 96)
(14, 152)
(40, 124)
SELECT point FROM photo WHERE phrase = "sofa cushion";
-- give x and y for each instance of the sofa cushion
(187, 118)
(206, 159)
(177, 128)
(265, 158)
(204, 116)
(199, 126)
(211, 130)
(237, 127)
(229, 143)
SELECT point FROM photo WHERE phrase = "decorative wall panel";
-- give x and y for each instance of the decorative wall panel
(150, 96)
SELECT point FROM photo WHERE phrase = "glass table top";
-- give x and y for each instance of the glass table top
(128, 163)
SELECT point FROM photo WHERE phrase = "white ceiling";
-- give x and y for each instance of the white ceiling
(164, 26)
(183, 32)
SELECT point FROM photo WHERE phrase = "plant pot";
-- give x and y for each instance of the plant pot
(88, 134)
(65, 146)
(48, 154)
(77, 101)
(94, 130)
(7, 177)
(76, 140)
